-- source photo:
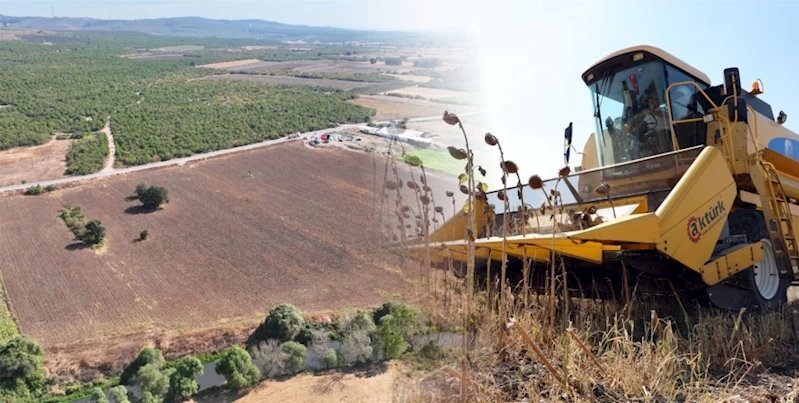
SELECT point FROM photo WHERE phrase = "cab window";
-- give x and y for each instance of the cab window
(686, 104)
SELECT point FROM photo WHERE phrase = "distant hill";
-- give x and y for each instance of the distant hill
(205, 27)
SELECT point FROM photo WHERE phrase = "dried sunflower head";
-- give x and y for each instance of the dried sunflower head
(509, 167)
(439, 209)
(457, 153)
(464, 189)
(391, 185)
(412, 185)
(451, 118)
(491, 139)
(450, 194)
(535, 182)
(564, 172)
(424, 199)
(603, 189)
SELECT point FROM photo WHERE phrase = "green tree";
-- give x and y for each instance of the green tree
(154, 382)
(147, 355)
(296, 356)
(372, 61)
(119, 394)
(154, 197)
(389, 338)
(184, 380)
(283, 323)
(330, 358)
(94, 233)
(98, 396)
(141, 188)
(21, 373)
(238, 369)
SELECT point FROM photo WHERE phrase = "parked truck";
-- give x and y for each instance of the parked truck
(683, 182)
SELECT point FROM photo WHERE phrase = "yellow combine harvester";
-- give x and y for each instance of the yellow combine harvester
(684, 181)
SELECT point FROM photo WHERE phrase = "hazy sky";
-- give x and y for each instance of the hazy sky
(532, 53)
(374, 14)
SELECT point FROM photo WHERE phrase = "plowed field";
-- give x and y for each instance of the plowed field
(240, 234)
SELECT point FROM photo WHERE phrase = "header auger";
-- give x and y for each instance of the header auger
(683, 182)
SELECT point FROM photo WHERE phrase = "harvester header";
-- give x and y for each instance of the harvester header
(682, 182)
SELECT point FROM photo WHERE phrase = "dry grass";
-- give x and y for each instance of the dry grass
(31, 164)
(553, 347)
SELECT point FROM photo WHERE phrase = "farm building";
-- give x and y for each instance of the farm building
(404, 135)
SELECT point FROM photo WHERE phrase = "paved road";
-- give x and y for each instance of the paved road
(196, 157)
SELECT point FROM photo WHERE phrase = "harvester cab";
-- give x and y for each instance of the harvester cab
(683, 183)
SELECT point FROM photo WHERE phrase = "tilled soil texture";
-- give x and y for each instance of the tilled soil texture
(239, 235)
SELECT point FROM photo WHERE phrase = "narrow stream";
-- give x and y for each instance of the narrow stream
(210, 378)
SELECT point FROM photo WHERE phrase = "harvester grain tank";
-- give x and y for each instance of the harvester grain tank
(683, 182)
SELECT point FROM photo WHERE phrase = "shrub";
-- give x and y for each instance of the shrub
(98, 396)
(34, 190)
(144, 234)
(270, 357)
(296, 356)
(238, 369)
(51, 188)
(283, 323)
(119, 394)
(330, 358)
(356, 348)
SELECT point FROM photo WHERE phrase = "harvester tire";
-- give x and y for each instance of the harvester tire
(769, 289)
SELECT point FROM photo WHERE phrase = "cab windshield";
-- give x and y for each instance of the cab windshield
(631, 114)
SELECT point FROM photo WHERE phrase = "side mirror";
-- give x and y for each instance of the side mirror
(567, 143)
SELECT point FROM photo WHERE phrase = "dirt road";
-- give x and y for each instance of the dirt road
(112, 151)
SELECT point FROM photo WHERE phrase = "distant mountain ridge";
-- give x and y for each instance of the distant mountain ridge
(206, 27)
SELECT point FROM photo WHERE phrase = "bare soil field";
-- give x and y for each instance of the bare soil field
(288, 80)
(431, 93)
(229, 65)
(411, 77)
(397, 108)
(155, 56)
(32, 164)
(241, 234)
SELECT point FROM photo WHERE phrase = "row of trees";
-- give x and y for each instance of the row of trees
(92, 233)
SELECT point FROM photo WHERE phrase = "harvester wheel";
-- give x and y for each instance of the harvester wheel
(769, 289)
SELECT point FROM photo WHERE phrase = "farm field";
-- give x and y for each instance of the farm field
(411, 77)
(431, 93)
(398, 108)
(35, 163)
(288, 80)
(289, 232)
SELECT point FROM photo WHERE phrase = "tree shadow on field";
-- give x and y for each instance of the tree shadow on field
(76, 246)
(131, 198)
(219, 394)
(139, 210)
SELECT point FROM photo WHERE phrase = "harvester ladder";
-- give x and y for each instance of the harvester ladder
(776, 209)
